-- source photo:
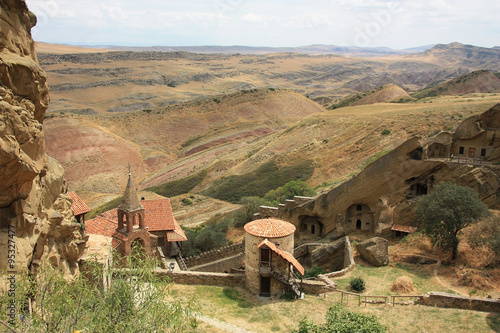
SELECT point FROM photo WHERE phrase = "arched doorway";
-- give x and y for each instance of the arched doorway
(359, 217)
(436, 150)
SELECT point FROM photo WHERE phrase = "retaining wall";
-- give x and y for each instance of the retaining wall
(444, 300)
(203, 278)
(222, 265)
(210, 256)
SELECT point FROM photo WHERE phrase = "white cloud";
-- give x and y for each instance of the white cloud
(252, 18)
(273, 22)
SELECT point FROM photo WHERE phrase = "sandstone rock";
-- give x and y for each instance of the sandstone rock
(375, 251)
(32, 199)
(329, 256)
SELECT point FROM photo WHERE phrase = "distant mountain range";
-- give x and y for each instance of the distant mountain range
(315, 49)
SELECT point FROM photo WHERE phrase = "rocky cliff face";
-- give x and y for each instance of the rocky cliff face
(32, 199)
(386, 192)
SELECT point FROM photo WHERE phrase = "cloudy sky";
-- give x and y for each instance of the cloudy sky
(396, 24)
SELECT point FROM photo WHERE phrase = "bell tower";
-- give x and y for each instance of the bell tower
(130, 212)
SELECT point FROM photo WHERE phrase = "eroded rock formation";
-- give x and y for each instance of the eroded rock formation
(32, 199)
(386, 191)
(375, 250)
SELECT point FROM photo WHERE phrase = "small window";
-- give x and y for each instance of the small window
(359, 207)
(313, 229)
(461, 150)
(483, 152)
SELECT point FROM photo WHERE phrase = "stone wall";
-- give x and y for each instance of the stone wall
(444, 300)
(210, 256)
(224, 265)
(314, 287)
(203, 278)
(278, 212)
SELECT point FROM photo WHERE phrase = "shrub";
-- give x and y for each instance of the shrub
(357, 284)
(259, 182)
(186, 202)
(136, 302)
(180, 186)
(385, 132)
(314, 272)
(340, 320)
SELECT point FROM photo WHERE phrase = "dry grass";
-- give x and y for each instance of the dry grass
(238, 307)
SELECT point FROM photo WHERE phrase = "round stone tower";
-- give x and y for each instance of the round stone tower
(269, 258)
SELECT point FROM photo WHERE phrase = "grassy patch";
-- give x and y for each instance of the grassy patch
(284, 316)
(374, 158)
(104, 207)
(180, 186)
(258, 183)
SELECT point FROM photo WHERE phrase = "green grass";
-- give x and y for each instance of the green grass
(180, 186)
(379, 279)
(258, 183)
(283, 316)
(104, 208)
(374, 158)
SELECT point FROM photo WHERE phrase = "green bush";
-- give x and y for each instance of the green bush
(84, 304)
(205, 238)
(357, 284)
(341, 320)
(385, 132)
(314, 272)
(186, 202)
(180, 186)
(258, 183)
(105, 207)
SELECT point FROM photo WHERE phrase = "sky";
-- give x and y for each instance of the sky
(363, 23)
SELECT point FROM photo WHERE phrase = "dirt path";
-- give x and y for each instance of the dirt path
(435, 274)
(222, 324)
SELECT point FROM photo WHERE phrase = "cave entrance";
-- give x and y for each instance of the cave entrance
(417, 154)
(358, 225)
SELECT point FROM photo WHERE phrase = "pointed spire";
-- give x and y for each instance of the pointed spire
(130, 201)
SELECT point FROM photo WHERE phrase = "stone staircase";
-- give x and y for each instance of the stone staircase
(294, 285)
(181, 262)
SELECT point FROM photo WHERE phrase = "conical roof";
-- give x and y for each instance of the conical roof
(269, 228)
(130, 201)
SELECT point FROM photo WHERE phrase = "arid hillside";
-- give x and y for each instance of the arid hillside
(124, 81)
(383, 94)
(234, 134)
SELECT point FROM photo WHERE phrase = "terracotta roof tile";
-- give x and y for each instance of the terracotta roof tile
(269, 228)
(404, 228)
(158, 216)
(78, 206)
(282, 253)
(103, 226)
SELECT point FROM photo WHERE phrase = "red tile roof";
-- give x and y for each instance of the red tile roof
(78, 206)
(404, 228)
(282, 253)
(158, 216)
(103, 226)
(269, 228)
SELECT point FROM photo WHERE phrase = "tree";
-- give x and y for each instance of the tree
(288, 191)
(446, 211)
(134, 301)
(340, 320)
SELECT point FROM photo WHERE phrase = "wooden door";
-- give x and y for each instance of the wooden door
(265, 286)
(472, 152)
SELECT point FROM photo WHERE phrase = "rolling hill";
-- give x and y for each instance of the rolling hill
(384, 94)
(482, 81)
(122, 81)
